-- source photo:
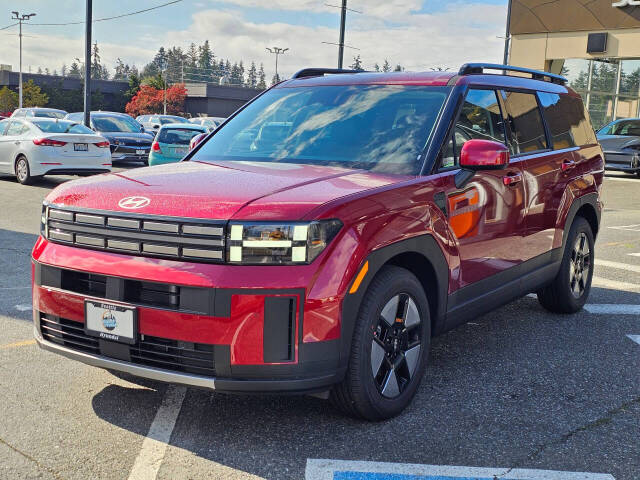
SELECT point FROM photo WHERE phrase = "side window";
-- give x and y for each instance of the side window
(14, 129)
(480, 118)
(525, 123)
(3, 127)
(567, 120)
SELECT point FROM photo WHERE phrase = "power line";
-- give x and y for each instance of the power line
(9, 26)
(108, 18)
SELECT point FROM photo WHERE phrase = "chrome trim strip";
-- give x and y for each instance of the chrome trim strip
(160, 249)
(197, 253)
(160, 227)
(93, 241)
(129, 246)
(63, 236)
(201, 230)
(123, 223)
(92, 219)
(61, 215)
(132, 368)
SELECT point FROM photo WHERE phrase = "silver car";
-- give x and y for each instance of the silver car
(620, 141)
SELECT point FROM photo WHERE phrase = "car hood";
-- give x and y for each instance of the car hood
(220, 191)
(617, 142)
(139, 138)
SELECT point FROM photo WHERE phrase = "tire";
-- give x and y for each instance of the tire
(393, 326)
(23, 172)
(570, 289)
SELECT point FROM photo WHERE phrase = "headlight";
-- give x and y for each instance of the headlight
(279, 243)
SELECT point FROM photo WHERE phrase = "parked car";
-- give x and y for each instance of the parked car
(195, 141)
(38, 146)
(38, 112)
(128, 140)
(210, 122)
(320, 238)
(152, 123)
(172, 142)
(620, 141)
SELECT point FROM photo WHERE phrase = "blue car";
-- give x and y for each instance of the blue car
(172, 142)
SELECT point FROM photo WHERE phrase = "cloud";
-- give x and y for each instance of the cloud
(389, 29)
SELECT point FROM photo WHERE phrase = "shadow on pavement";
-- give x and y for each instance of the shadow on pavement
(512, 388)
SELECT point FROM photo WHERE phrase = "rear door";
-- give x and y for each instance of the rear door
(9, 144)
(6, 148)
(485, 215)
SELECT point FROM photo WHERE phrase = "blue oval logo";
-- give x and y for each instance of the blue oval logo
(109, 320)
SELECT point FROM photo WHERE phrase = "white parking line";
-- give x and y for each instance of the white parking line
(635, 338)
(318, 469)
(634, 254)
(629, 228)
(615, 284)
(620, 266)
(612, 308)
(618, 179)
(25, 307)
(154, 446)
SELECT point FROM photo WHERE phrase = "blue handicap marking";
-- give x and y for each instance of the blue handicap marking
(397, 476)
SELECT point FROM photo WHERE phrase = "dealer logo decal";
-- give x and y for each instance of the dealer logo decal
(131, 203)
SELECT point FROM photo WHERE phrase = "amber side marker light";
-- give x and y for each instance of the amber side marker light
(358, 280)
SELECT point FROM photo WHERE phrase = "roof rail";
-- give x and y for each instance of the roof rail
(318, 72)
(478, 68)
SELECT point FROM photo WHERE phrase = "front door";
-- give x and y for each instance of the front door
(9, 142)
(486, 216)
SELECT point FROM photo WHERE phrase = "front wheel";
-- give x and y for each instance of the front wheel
(570, 289)
(23, 172)
(389, 348)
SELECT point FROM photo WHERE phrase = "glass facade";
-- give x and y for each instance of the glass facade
(610, 88)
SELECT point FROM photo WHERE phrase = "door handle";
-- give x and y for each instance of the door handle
(567, 165)
(512, 179)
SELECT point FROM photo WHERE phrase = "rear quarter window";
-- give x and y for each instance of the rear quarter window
(567, 120)
(525, 122)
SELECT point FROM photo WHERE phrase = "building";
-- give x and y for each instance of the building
(594, 43)
(213, 100)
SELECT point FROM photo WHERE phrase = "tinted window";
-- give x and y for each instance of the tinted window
(15, 128)
(525, 122)
(3, 126)
(480, 118)
(375, 127)
(63, 126)
(165, 120)
(630, 128)
(177, 136)
(49, 114)
(565, 116)
(115, 123)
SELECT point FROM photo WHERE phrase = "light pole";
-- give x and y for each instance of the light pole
(21, 18)
(507, 38)
(343, 21)
(164, 110)
(277, 51)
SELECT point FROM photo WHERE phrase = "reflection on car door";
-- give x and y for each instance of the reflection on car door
(486, 215)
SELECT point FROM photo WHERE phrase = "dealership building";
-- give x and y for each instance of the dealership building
(594, 43)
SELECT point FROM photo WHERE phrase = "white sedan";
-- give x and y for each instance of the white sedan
(43, 146)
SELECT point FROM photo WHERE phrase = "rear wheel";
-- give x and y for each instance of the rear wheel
(570, 289)
(389, 348)
(23, 172)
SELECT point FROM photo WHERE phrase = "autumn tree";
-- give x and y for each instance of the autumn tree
(150, 100)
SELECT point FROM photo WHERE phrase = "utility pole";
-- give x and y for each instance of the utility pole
(507, 34)
(164, 110)
(21, 18)
(87, 65)
(343, 21)
(277, 51)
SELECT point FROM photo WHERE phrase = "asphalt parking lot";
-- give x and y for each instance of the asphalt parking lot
(517, 388)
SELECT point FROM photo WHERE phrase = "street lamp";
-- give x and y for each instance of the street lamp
(21, 18)
(277, 51)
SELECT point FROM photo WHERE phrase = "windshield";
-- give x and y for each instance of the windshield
(177, 136)
(375, 127)
(49, 114)
(627, 128)
(64, 126)
(115, 124)
(165, 120)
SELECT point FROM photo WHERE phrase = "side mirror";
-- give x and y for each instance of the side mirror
(156, 127)
(484, 155)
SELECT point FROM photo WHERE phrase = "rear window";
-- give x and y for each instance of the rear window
(525, 121)
(61, 127)
(165, 120)
(115, 123)
(567, 121)
(48, 114)
(177, 136)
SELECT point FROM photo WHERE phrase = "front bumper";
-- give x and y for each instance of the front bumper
(622, 162)
(287, 385)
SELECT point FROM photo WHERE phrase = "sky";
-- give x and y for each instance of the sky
(418, 34)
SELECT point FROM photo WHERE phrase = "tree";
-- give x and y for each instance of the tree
(32, 96)
(63, 70)
(398, 68)
(376, 67)
(236, 75)
(98, 71)
(134, 85)
(55, 73)
(157, 82)
(151, 100)
(205, 58)
(39, 72)
(262, 84)
(122, 71)
(386, 66)
(252, 76)
(357, 63)
(275, 79)
(75, 71)
(46, 71)
(8, 100)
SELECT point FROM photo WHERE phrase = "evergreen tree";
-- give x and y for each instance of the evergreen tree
(252, 76)
(398, 68)
(63, 70)
(357, 63)
(32, 95)
(46, 71)
(262, 84)
(75, 71)
(376, 67)
(235, 78)
(55, 73)
(275, 79)
(134, 84)
(39, 72)
(386, 66)
(205, 58)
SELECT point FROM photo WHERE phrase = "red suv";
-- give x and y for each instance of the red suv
(318, 239)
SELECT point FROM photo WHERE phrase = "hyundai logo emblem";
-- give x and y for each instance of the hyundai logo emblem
(131, 203)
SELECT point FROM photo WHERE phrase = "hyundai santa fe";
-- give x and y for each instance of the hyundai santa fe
(320, 238)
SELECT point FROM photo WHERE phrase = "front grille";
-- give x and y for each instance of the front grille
(162, 237)
(164, 353)
(85, 283)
